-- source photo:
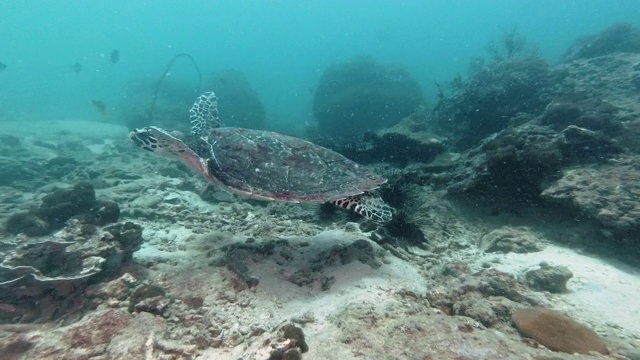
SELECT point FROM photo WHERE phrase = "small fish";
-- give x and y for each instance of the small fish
(100, 106)
(77, 68)
(2, 66)
(115, 56)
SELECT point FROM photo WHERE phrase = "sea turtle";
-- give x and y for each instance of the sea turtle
(265, 165)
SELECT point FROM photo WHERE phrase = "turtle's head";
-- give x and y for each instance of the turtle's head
(162, 142)
(144, 139)
(158, 141)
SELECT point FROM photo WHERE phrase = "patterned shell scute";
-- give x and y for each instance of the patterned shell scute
(282, 167)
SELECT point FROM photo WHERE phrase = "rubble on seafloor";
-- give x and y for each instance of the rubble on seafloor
(529, 230)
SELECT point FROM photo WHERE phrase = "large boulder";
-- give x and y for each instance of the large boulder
(239, 104)
(362, 95)
(145, 102)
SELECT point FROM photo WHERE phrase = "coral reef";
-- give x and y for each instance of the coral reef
(56, 270)
(580, 145)
(362, 95)
(557, 332)
(544, 197)
(515, 161)
(405, 331)
(585, 113)
(601, 91)
(406, 142)
(493, 97)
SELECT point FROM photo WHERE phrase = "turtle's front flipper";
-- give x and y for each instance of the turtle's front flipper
(370, 206)
(204, 114)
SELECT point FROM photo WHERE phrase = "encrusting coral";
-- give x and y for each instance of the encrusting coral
(557, 332)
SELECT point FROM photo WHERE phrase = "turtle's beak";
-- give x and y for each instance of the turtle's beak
(143, 138)
(135, 138)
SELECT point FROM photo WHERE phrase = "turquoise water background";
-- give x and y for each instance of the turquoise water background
(281, 46)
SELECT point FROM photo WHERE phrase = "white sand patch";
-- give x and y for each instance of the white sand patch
(355, 283)
(600, 292)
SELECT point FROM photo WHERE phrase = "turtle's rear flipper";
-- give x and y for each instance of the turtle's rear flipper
(370, 206)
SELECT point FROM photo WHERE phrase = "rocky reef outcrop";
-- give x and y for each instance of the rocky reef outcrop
(43, 277)
(494, 97)
(407, 142)
(608, 193)
(621, 37)
(567, 136)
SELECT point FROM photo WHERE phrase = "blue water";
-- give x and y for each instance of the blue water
(281, 46)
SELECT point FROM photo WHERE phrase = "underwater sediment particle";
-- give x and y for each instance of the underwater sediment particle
(557, 332)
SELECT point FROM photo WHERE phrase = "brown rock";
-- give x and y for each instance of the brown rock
(557, 332)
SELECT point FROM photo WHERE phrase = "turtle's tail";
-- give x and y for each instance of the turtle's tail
(370, 206)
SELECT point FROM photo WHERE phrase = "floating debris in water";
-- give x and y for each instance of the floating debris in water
(100, 106)
(77, 68)
(2, 66)
(115, 56)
